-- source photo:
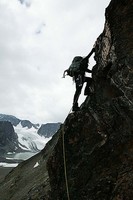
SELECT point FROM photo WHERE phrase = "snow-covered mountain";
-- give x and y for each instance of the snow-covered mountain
(22, 139)
(29, 139)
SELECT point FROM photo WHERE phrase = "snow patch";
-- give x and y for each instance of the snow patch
(8, 164)
(36, 165)
(9, 158)
(29, 138)
(10, 153)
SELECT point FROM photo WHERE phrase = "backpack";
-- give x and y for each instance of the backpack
(75, 67)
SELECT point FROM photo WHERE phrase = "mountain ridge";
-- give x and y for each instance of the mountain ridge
(47, 130)
(15, 121)
(21, 136)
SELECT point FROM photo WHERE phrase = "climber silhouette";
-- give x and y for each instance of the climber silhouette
(77, 71)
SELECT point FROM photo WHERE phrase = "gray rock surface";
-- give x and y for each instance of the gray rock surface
(49, 129)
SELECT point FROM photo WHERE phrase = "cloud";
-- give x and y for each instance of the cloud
(25, 2)
(37, 45)
(40, 28)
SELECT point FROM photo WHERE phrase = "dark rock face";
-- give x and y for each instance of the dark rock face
(98, 139)
(8, 138)
(49, 129)
(27, 181)
(14, 121)
(28, 124)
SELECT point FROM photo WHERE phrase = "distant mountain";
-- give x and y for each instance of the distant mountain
(29, 139)
(18, 135)
(49, 129)
(16, 139)
(28, 124)
(15, 121)
(8, 138)
(19, 142)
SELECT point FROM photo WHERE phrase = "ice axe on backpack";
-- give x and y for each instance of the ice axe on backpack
(64, 74)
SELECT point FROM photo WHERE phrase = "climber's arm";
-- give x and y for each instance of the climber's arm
(89, 55)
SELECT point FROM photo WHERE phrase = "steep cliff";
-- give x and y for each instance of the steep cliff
(98, 139)
(8, 138)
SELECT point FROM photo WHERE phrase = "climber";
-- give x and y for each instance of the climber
(77, 71)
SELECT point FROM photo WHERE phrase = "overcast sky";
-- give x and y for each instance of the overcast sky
(38, 40)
